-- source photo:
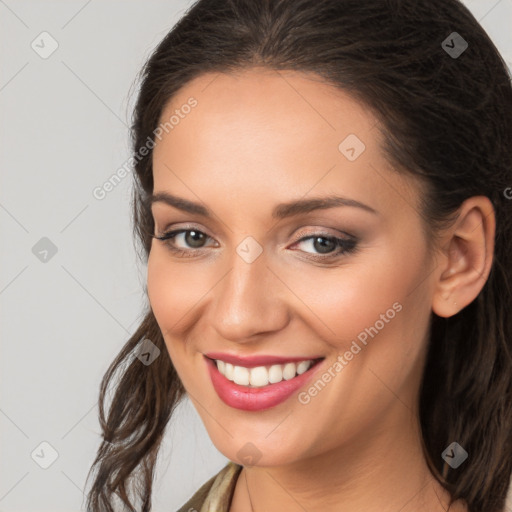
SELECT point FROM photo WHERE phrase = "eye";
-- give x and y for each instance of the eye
(328, 246)
(193, 237)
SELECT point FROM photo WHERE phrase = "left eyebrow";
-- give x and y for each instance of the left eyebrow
(300, 206)
(281, 211)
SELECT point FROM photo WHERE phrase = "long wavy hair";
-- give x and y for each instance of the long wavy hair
(445, 119)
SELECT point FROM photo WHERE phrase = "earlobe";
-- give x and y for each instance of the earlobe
(466, 263)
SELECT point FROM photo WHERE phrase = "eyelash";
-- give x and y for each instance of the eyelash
(345, 246)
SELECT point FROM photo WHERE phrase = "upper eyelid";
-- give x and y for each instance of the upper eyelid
(172, 228)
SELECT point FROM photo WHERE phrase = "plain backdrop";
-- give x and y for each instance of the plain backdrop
(71, 289)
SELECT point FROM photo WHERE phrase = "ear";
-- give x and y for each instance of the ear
(467, 257)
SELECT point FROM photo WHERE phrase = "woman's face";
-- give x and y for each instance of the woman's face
(258, 278)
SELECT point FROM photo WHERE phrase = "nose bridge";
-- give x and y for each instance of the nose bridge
(247, 301)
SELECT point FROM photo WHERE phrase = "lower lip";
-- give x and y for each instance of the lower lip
(258, 398)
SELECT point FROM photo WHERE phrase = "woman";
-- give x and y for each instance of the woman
(322, 195)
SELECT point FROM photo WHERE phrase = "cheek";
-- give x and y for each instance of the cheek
(173, 290)
(168, 294)
(176, 292)
(162, 288)
(344, 301)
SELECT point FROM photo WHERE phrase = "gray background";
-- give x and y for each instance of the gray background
(63, 132)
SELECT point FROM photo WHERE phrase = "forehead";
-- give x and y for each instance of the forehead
(261, 100)
(274, 134)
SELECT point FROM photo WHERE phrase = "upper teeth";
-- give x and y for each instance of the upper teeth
(262, 375)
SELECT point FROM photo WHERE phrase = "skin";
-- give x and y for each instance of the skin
(258, 138)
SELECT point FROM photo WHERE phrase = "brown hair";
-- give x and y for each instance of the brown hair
(445, 119)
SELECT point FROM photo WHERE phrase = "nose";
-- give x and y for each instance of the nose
(249, 300)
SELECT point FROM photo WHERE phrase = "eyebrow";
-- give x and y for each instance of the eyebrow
(281, 211)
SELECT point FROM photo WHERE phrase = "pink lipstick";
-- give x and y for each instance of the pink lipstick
(257, 398)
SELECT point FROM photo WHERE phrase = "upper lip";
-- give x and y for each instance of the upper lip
(257, 360)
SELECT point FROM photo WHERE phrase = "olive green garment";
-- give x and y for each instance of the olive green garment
(216, 494)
